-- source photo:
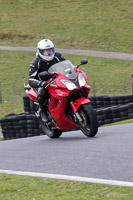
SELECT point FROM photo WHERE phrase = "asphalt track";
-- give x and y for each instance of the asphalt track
(108, 157)
(104, 54)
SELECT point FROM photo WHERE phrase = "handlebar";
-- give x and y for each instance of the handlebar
(51, 81)
(27, 87)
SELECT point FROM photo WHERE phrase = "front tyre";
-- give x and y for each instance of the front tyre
(88, 124)
(49, 130)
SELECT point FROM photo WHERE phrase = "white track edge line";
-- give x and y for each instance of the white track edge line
(66, 177)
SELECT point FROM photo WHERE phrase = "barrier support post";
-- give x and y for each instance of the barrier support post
(0, 94)
(132, 84)
(94, 92)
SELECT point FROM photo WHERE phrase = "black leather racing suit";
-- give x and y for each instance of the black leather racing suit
(36, 66)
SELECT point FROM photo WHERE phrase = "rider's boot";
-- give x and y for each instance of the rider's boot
(42, 112)
(42, 109)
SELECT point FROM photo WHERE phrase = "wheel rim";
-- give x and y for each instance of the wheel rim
(84, 123)
(50, 131)
(46, 128)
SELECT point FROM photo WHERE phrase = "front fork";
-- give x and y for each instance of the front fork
(77, 116)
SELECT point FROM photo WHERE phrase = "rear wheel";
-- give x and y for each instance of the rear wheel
(49, 130)
(88, 123)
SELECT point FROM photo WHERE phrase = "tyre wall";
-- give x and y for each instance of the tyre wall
(20, 126)
(108, 109)
(96, 101)
(109, 101)
(112, 109)
(114, 114)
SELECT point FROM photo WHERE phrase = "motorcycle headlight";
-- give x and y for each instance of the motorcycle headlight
(70, 85)
(81, 80)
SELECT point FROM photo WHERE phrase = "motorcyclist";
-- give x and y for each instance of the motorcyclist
(45, 58)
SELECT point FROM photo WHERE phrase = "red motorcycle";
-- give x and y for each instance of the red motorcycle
(68, 106)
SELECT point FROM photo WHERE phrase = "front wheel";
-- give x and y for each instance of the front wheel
(88, 123)
(49, 130)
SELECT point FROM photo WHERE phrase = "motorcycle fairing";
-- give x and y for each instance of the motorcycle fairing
(32, 94)
(80, 71)
(57, 110)
(75, 105)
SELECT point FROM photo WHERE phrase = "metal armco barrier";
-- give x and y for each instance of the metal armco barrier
(108, 109)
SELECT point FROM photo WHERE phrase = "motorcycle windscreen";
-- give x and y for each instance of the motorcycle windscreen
(66, 68)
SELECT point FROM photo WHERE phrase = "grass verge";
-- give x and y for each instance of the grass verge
(26, 188)
(121, 122)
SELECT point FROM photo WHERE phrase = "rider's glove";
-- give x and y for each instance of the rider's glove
(43, 84)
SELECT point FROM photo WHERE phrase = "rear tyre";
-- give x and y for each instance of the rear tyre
(88, 124)
(49, 130)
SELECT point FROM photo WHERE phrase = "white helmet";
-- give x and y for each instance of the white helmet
(45, 49)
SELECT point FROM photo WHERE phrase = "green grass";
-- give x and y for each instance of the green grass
(111, 76)
(101, 25)
(121, 122)
(26, 188)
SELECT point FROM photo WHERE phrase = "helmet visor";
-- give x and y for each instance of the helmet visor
(47, 52)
